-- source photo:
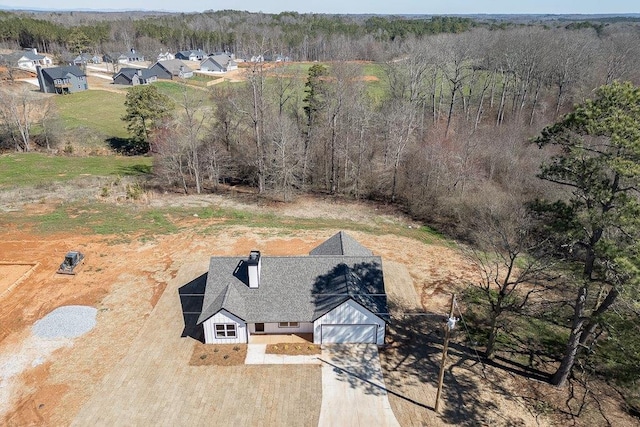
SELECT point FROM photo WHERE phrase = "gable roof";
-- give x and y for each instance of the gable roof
(63, 72)
(22, 56)
(128, 73)
(222, 60)
(194, 52)
(31, 55)
(294, 289)
(173, 66)
(341, 244)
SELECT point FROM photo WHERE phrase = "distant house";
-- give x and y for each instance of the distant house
(171, 69)
(191, 55)
(85, 58)
(123, 58)
(134, 77)
(336, 295)
(219, 63)
(62, 80)
(163, 56)
(28, 59)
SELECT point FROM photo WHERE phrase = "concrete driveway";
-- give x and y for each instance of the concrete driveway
(353, 390)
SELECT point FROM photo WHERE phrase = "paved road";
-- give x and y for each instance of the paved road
(353, 391)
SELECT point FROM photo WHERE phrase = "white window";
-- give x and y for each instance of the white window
(288, 325)
(225, 330)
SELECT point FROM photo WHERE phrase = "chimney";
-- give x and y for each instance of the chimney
(139, 72)
(41, 82)
(35, 51)
(254, 265)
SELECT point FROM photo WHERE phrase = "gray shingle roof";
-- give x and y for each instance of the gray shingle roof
(173, 66)
(63, 72)
(29, 54)
(195, 52)
(294, 289)
(341, 244)
(130, 72)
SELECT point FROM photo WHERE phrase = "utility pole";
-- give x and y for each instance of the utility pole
(451, 323)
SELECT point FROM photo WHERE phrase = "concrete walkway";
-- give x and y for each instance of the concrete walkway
(256, 355)
(353, 390)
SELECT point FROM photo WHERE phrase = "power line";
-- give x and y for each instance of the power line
(470, 340)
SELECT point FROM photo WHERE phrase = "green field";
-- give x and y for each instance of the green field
(175, 90)
(97, 110)
(26, 169)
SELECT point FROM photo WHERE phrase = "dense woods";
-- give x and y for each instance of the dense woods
(444, 130)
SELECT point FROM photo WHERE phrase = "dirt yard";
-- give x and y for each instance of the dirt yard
(136, 346)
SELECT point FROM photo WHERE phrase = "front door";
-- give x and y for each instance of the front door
(259, 327)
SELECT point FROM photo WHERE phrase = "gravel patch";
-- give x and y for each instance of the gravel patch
(66, 322)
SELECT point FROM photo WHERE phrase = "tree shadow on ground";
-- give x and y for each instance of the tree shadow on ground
(191, 299)
(135, 170)
(128, 146)
(411, 363)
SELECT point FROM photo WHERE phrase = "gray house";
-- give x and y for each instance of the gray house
(171, 69)
(62, 80)
(191, 55)
(134, 77)
(219, 63)
(85, 58)
(336, 294)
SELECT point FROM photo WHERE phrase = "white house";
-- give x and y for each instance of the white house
(30, 59)
(336, 294)
(164, 56)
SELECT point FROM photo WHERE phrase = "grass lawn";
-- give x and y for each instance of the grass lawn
(176, 90)
(94, 109)
(26, 169)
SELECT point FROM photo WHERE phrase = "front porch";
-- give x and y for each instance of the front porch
(304, 338)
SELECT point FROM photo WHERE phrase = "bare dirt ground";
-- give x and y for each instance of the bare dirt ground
(136, 347)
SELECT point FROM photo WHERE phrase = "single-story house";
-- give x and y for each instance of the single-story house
(163, 56)
(27, 59)
(219, 63)
(170, 69)
(191, 55)
(123, 58)
(62, 80)
(336, 294)
(134, 76)
(85, 58)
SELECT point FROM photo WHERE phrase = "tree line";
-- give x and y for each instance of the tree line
(299, 36)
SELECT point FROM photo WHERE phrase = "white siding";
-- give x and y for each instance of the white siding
(273, 328)
(224, 317)
(349, 313)
(344, 334)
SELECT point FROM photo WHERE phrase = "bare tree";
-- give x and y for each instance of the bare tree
(509, 273)
(285, 157)
(17, 114)
(190, 122)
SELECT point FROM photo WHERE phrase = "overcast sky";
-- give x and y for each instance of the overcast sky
(347, 6)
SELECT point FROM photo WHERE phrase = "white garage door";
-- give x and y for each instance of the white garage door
(343, 334)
